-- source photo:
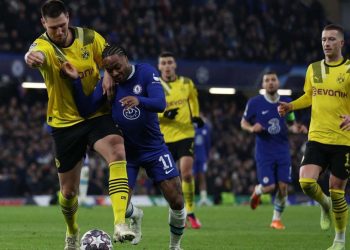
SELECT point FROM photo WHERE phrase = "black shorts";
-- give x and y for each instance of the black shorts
(334, 157)
(181, 148)
(70, 143)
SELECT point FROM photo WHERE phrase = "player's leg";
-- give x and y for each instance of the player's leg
(340, 171)
(308, 181)
(133, 213)
(315, 156)
(279, 205)
(266, 179)
(68, 200)
(70, 146)
(188, 187)
(199, 170)
(162, 170)
(106, 139)
(284, 176)
(182, 151)
(84, 182)
(172, 192)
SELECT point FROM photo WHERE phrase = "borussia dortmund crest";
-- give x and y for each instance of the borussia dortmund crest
(84, 53)
(341, 78)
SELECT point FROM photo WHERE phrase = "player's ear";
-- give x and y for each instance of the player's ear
(43, 22)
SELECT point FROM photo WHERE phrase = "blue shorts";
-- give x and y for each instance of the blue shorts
(199, 167)
(271, 170)
(159, 167)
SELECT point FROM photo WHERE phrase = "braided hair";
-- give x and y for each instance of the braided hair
(113, 50)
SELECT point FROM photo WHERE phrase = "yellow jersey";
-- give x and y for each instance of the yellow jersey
(181, 94)
(85, 53)
(327, 89)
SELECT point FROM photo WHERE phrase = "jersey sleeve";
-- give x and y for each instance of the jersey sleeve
(155, 99)
(40, 45)
(87, 105)
(98, 46)
(249, 112)
(306, 99)
(193, 100)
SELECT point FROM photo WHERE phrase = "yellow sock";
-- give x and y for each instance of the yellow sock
(188, 190)
(118, 189)
(311, 188)
(69, 209)
(340, 209)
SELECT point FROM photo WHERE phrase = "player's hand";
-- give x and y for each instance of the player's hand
(345, 124)
(129, 101)
(298, 128)
(108, 86)
(69, 70)
(34, 59)
(198, 122)
(171, 113)
(257, 128)
(283, 108)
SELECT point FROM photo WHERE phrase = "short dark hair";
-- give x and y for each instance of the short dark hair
(113, 49)
(53, 8)
(270, 72)
(167, 54)
(333, 26)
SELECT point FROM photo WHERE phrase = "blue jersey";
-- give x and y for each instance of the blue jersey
(202, 141)
(144, 143)
(273, 140)
(140, 126)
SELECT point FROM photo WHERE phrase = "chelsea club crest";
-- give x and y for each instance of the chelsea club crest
(137, 89)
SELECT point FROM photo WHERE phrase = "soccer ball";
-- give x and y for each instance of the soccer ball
(96, 239)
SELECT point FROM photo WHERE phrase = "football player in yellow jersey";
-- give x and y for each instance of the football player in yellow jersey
(327, 88)
(176, 123)
(71, 133)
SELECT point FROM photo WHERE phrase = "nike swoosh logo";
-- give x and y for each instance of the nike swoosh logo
(168, 171)
(264, 112)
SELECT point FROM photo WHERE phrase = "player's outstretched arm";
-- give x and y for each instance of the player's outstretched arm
(86, 105)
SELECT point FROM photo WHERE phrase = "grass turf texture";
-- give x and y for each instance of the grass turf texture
(224, 227)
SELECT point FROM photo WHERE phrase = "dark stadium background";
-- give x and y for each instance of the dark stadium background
(224, 43)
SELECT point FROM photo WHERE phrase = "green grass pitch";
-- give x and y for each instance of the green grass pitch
(224, 227)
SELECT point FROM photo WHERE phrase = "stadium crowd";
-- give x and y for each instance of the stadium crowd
(253, 30)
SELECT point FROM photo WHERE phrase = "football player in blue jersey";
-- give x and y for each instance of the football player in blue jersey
(272, 155)
(202, 143)
(138, 97)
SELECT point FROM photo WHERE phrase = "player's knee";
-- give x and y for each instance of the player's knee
(118, 154)
(69, 193)
(177, 203)
(307, 185)
(186, 176)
